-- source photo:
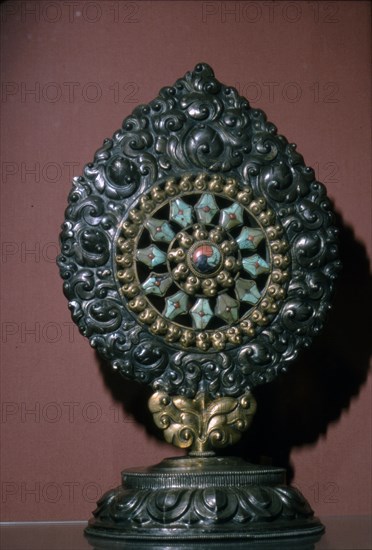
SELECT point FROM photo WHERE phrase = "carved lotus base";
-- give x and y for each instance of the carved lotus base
(198, 498)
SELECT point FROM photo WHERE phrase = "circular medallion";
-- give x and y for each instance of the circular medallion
(204, 259)
(206, 263)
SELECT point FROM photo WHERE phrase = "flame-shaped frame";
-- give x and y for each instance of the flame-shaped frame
(198, 125)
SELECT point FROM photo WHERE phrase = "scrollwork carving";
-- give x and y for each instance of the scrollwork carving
(199, 126)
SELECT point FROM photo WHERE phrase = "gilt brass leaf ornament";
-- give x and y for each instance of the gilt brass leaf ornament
(201, 424)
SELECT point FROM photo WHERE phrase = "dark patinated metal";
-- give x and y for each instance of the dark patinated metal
(210, 498)
(199, 257)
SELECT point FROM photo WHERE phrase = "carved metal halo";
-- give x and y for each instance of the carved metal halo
(211, 288)
(205, 129)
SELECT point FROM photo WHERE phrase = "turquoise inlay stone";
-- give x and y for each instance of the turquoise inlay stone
(157, 284)
(255, 265)
(160, 230)
(206, 208)
(205, 258)
(201, 313)
(175, 305)
(231, 216)
(227, 308)
(247, 291)
(249, 238)
(181, 213)
(151, 256)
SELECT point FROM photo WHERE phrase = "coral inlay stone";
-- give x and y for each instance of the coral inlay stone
(205, 258)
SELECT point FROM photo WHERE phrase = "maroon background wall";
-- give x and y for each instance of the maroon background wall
(71, 71)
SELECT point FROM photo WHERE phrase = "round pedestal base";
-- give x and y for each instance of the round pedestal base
(203, 498)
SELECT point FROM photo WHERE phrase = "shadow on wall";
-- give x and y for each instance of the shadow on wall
(297, 408)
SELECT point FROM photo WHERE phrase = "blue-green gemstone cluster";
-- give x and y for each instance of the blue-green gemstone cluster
(207, 259)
